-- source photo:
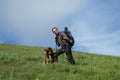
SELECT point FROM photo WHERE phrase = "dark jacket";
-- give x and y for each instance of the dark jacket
(61, 39)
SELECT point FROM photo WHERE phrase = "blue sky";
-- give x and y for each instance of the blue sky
(95, 24)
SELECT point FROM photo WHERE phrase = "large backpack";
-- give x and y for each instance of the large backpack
(69, 35)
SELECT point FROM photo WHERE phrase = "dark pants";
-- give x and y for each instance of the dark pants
(65, 49)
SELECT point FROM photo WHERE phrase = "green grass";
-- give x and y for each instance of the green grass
(25, 63)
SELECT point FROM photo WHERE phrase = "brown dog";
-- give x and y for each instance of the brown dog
(49, 56)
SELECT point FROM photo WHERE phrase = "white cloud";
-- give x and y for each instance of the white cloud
(32, 20)
(92, 22)
(93, 31)
(104, 43)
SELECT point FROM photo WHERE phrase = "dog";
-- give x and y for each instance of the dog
(49, 55)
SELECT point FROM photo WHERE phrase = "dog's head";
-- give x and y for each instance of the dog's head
(48, 50)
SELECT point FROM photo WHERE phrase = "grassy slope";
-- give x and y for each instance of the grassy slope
(25, 63)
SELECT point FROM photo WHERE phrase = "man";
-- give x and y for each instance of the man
(62, 40)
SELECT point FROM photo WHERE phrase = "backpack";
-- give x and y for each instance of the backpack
(69, 35)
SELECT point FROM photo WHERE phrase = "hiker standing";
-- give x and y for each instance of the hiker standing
(62, 40)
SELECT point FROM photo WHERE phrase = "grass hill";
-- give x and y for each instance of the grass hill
(25, 63)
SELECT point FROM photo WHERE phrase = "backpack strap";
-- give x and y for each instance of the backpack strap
(65, 37)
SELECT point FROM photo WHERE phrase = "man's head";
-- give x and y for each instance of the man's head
(55, 30)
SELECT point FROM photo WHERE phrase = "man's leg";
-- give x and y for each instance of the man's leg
(57, 53)
(68, 52)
